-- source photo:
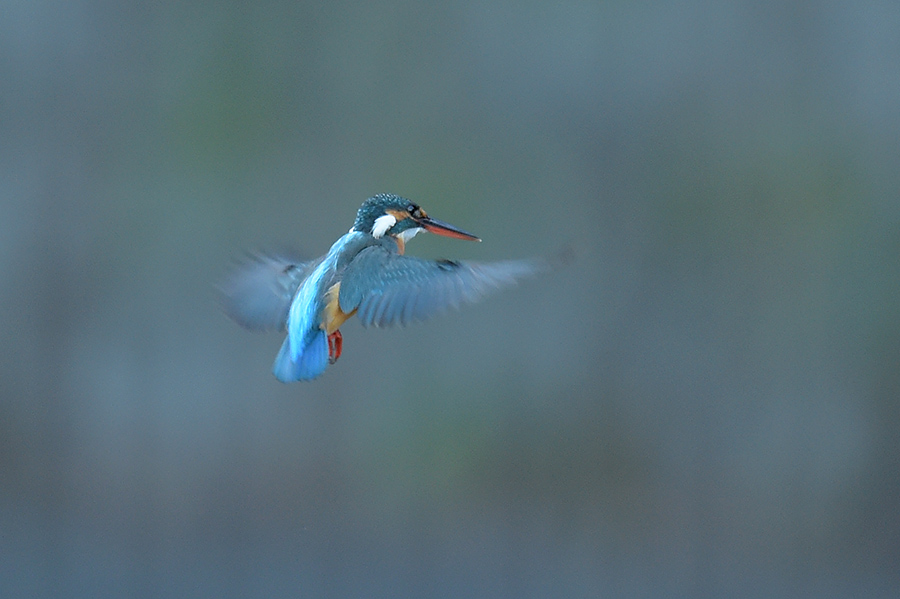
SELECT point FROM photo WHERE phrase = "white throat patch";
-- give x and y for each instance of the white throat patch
(382, 224)
(410, 233)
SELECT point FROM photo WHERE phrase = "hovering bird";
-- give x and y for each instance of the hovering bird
(364, 273)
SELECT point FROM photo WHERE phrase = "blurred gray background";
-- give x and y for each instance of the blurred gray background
(705, 404)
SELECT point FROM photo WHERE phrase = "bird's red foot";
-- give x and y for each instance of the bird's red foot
(335, 345)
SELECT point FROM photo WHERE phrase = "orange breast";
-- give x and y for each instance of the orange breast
(333, 317)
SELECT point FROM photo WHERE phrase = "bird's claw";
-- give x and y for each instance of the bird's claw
(335, 346)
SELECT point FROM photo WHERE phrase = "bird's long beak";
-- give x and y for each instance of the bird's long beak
(437, 227)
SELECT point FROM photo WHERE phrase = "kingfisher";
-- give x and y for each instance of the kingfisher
(365, 273)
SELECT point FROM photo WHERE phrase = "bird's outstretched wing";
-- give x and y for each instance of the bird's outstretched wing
(258, 291)
(387, 288)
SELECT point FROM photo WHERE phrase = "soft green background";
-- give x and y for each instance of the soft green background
(705, 404)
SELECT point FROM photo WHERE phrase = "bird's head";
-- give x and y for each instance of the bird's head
(402, 219)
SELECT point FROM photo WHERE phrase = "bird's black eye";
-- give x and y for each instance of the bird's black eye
(412, 208)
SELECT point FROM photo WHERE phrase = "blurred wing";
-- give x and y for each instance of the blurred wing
(387, 288)
(258, 291)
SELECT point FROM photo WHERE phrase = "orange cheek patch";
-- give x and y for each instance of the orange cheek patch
(398, 214)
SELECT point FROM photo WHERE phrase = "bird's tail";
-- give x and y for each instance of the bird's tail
(311, 362)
